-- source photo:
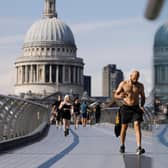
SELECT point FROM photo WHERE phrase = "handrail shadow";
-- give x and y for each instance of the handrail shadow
(137, 161)
(60, 155)
(161, 136)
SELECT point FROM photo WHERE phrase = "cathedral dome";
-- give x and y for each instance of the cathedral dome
(161, 36)
(49, 63)
(49, 30)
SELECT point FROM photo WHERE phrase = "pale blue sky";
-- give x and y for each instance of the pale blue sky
(106, 32)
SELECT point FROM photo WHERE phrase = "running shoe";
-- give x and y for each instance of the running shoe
(67, 131)
(140, 151)
(122, 149)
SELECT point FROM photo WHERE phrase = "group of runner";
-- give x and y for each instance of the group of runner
(63, 110)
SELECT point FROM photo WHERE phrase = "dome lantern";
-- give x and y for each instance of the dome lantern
(49, 9)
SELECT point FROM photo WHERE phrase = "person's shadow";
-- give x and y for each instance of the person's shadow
(136, 161)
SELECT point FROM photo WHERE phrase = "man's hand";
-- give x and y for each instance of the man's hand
(122, 95)
(142, 108)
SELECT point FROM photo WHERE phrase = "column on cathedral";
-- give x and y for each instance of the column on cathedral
(21, 75)
(69, 74)
(37, 73)
(74, 71)
(31, 73)
(166, 72)
(26, 73)
(78, 75)
(57, 74)
(63, 74)
(81, 76)
(17, 75)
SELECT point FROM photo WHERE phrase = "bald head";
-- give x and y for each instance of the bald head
(134, 76)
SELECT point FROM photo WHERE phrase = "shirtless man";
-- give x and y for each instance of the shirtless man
(132, 93)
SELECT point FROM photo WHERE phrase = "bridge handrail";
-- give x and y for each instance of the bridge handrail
(20, 117)
(108, 115)
(23, 140)
(22, 99)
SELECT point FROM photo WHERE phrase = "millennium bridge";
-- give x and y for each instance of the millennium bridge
(28, 141)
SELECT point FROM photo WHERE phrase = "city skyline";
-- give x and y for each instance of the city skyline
(105, 33)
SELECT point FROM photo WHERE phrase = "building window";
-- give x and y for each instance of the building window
(76, 75)
(58, 49)
(156, 75)
(66, 73)
(63, 49)
(53, 73)
(50, 5)
(47, 73)
(163, 74)
(60, 76)
(72, 75)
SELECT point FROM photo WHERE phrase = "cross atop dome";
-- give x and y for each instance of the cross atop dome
(50, 9)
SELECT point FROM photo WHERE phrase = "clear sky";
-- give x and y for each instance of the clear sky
(106, 32)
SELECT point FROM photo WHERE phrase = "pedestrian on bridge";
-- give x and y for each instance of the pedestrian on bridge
(76, 112)
(53, 114)
(97, 112)
(66, 108)
(58, 112)
(84, 110)
(131, 92)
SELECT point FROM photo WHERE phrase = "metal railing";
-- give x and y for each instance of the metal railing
(19, 117)
(108, 115)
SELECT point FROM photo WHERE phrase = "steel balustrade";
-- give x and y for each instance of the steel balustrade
(108, 115)
(19, 117)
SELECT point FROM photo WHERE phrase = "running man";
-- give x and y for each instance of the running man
(131, 92)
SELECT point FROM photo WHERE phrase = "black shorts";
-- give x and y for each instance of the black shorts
(66, 115)
(131, 114)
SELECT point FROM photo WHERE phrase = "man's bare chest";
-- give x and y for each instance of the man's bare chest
(130, 88)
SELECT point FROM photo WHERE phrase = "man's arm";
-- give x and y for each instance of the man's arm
(119, 93)
(142, 93)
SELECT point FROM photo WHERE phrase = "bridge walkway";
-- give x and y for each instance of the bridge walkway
(89, 147)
